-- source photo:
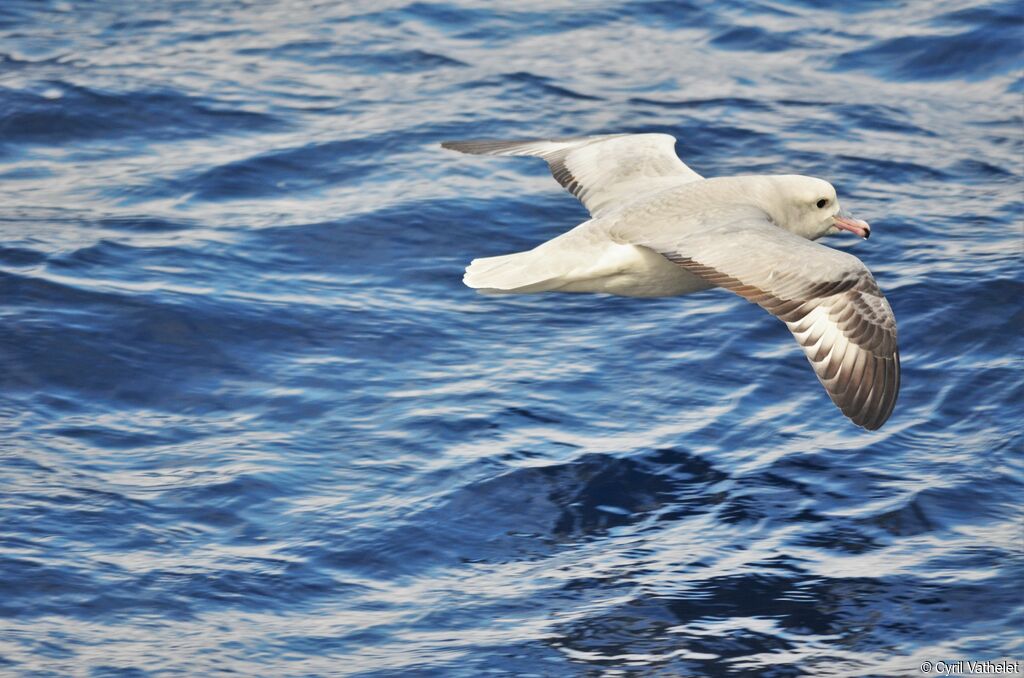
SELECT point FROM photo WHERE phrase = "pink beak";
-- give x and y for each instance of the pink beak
(852, 225)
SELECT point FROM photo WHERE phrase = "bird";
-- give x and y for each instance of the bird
(657, 228)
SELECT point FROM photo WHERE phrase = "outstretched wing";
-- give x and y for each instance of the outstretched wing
(601, 171)
(827, 298)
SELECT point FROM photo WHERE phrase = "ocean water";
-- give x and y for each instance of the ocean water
(252, 423)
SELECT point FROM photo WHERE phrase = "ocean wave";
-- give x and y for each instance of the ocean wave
(252, 421)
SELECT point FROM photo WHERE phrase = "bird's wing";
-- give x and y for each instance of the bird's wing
(827, 298)
(601, 171)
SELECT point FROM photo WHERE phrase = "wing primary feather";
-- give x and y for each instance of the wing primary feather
(843, 324)
(601, 171)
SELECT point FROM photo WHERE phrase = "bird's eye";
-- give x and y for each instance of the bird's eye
(822, 203)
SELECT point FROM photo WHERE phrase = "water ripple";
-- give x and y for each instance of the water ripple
(251, 421)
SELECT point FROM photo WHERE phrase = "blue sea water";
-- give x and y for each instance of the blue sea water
(252, 422)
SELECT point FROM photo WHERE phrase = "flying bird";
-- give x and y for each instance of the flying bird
(657, 228)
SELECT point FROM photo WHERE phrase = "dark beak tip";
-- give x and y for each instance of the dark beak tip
(867, 234)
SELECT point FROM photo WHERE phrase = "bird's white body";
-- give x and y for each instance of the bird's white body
(658, 228)
(583, 260)
(591, 258)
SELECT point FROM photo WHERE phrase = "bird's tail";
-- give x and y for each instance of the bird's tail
(517, 273)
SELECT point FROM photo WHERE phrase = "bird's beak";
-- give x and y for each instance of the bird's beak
(845, 222)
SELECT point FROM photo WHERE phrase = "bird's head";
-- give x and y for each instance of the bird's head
(809, 208)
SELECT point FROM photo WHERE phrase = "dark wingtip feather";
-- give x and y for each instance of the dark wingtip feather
(882, 405)
(484, 146)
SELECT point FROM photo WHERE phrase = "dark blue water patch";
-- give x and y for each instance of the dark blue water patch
(223, 503)
(287, 171)
(844, 537)
(388, 239)
(644, 626)
(82, 114)
(855, 7)
(971, 55)
(973, 171)
(111, 671)
(271, 584)
(46, 59)
(446, 15)
(70, 514)
(1006, 14)
(19, 256)
(797, 604)
(486, 529)
(496, 26)
(294, 170)
(10, 63)
(670, 13)
(858, 115)
(530, 85)
(129, 26)
(383, 61)
(727, 104)
(114, 439)
(601, 492)
(817, 129)
(109, 522)
(176, 595)
(291, 95)
(887, 170)
(61, 585)
(510, 517)
(756, 39)
(23, 173)
(14, 13)
(700, 140)
(94, 257)
(83, 359)
(934, 510)
(144, 224)
(403, 61)
(182, 333)
(29, 9)
(972, 319)
(53, 650)
(200, 36)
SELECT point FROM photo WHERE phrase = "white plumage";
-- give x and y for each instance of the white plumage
(658, 228)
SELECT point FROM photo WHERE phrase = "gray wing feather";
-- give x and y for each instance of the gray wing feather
(602, 171)
(828, 299)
